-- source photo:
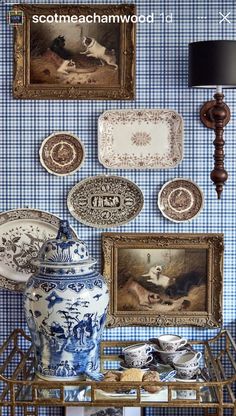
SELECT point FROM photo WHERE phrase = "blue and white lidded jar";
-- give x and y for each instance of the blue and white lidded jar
(66, 304)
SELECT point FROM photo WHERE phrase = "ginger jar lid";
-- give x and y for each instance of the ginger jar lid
(64, 250)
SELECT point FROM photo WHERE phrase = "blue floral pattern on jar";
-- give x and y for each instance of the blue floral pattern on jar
(66, 310)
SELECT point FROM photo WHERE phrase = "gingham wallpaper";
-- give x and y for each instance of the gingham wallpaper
(161, 83)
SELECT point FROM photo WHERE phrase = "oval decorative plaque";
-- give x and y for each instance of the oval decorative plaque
(105, 201)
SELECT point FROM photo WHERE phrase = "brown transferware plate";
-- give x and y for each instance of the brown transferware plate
(180, 200)
(62, 153)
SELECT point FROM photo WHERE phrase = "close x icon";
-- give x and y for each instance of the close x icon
(225, 18)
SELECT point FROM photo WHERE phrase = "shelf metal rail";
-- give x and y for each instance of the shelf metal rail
(19, 387)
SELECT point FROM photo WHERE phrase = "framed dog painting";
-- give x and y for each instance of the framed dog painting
(75, 52)
(164, 279)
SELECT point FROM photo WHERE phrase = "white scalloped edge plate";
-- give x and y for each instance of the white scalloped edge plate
(22, 233)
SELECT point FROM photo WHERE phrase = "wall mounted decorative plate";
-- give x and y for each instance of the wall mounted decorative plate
(105, 201)
(180, 200)
(22, 233)
(140, 139)
(62, 153)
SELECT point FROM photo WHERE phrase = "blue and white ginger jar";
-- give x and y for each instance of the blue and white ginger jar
(66, 304)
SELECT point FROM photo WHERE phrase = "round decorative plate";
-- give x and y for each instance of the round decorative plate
(180, 200)
(105, 201)
(62, 153)
(22, 233)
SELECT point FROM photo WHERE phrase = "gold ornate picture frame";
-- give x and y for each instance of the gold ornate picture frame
(164, 279)
(61, 60)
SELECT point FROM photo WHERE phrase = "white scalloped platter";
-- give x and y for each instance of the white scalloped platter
(140, 139)
(22, 233)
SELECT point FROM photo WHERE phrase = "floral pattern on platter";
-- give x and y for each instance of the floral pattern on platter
(165, 147)
(105, 201)
(141, 138)
(22, 234)
(20, 246)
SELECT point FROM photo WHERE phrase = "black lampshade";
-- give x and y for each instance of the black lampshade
(212, 63)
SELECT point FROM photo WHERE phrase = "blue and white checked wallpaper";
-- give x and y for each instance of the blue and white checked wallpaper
(161, 83)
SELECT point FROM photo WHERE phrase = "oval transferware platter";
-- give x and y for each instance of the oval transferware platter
(61, 153)
(22, 233)
(105, 201)
(140, 139)
(180, 200)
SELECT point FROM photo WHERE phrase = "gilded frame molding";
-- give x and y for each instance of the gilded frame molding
(214, 244)
(22, 89)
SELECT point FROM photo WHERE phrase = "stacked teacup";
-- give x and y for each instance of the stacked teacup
(169, 347)
(187, 366)
(137, 356)
(173, 350)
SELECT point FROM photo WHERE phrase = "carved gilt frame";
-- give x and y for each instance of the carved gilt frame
(23, 89)
(212, 318)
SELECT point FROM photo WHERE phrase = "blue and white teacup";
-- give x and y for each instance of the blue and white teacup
(137, 355)
(187, 372)
(171, 343)
(167, 357)
(189, 359)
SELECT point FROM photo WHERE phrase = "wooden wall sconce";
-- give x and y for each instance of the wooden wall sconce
(212, 64)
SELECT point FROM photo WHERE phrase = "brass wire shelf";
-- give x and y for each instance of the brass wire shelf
(20, 388)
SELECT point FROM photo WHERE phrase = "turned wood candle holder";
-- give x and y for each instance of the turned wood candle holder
(215, 115)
